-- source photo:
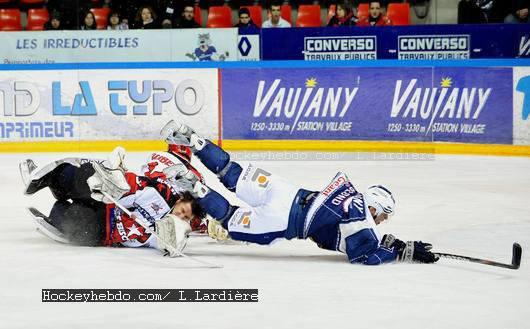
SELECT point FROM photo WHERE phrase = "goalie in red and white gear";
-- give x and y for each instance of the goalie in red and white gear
(85, 216)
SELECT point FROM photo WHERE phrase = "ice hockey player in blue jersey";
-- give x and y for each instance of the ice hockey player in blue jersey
(337, 218)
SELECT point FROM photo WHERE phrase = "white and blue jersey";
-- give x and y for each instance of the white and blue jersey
(205, 55)
(336, 218)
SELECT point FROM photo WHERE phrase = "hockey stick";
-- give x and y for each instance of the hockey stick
(151, 231)
(516, 258)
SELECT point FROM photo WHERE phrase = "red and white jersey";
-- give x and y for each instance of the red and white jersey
(176, 154)
(148, 200)
(158, 161)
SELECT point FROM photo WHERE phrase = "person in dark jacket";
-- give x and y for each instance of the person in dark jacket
(245, 21)
(88, 22)
(478, 11)
(146, 18)
(344, 15)
(54, 23)
(187, 19)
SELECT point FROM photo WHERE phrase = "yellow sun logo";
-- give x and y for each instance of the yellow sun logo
(446, 82)
(311, 82)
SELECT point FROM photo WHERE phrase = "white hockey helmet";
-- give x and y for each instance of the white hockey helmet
(381, 199)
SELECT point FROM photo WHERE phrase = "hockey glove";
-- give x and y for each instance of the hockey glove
(173, 233)
(410, 251)
(216, 231)
(417, 251)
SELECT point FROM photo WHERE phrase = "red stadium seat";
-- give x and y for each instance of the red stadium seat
(399, 13)
(197, 15)
(102, 17)
(5, 1)
(308, 16)
(37, 18)
(10, 20)
(255, 14)
(363, 10)
(331, 12)
(219, 16)
(286, 13)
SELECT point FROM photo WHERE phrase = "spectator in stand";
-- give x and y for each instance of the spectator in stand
(276, 19)
(519, 12)
(89, 22)
(375, 16)
(187, 19)
(168, 10)
(54, 23)
(146, 18)
(166, 24)
(475, 11)
(344, 15)
(115, 22)
(244, 19)
(69, 11)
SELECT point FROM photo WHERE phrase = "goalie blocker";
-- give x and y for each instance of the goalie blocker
(82, 215)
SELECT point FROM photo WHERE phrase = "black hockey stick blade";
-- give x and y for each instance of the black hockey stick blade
(517, 252)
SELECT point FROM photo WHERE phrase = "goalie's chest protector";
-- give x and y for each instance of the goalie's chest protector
(146, 204)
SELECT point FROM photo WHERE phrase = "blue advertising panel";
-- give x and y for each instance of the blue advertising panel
(428, 42)
(403, 104)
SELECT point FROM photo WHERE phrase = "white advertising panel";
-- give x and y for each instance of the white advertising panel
(521, 106)
(118, 104)
(119, 46)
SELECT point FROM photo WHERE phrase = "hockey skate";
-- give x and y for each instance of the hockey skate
(26, 168)
(177, 133)
(44, 226)
(36, 178)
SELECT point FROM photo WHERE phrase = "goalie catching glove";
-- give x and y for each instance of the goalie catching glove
(173, 231)
(410, 251)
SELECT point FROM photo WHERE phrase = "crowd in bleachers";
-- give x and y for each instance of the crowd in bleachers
(17, 15)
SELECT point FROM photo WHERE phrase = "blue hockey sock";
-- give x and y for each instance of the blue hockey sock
(218, 162)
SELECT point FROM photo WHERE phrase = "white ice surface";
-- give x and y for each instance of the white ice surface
(476, 206)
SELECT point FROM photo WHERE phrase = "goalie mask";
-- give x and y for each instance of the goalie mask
(381, 199)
